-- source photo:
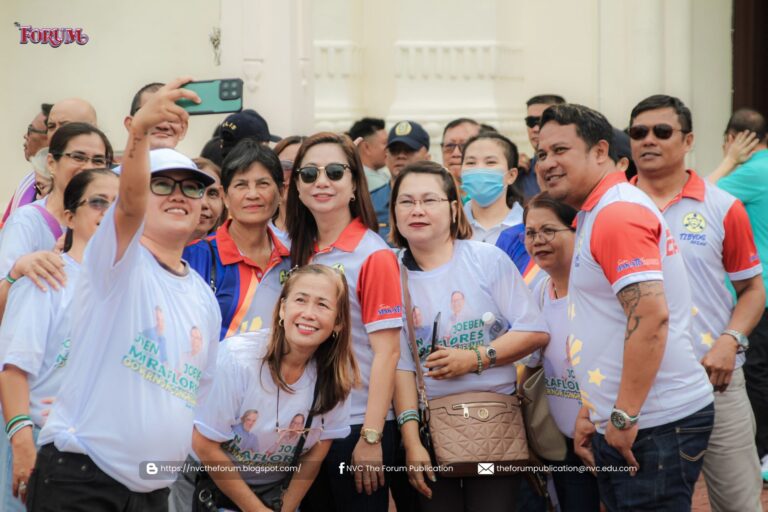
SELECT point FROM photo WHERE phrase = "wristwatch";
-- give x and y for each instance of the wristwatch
(621, 420)
(742, 340)
(371, 436)
(491, 353)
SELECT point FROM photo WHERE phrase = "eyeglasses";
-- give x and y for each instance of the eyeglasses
(82, 158)
(287, 165)
(661, 131)
(165, 185)
(97, 203)
(546, 234)
(531, 121)
(428, 203)
(334, 172)
(31, 129)
(449, 147)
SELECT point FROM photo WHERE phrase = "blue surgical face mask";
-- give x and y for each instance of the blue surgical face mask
(484, 186)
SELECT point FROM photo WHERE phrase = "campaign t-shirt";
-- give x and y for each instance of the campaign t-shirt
(480, 296)
(35, 335)
(490, 235)
(372, 274)
(623, 239)
(25, 231)
(142, 354)
(714, 236)
(246, 293)
(244, 391)
(562, 388)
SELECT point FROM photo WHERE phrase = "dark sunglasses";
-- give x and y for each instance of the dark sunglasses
(97, 203)
(531, 121)
(165, 185)
(661, 131)
(334, 172)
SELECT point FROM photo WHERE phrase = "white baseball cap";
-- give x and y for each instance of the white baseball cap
(166, 159)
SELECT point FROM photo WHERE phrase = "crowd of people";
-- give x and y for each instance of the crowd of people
(264, 326)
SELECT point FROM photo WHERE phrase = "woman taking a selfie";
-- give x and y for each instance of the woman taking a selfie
(297, 378)
(331, 221)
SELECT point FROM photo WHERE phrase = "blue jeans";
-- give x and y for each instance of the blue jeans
(670, 458)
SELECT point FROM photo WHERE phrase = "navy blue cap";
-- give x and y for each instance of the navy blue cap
(247, 123)
(409, 133)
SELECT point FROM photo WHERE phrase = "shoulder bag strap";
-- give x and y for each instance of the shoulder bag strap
(422, 389)
(300, 445)
(53, 224)
(212, 282)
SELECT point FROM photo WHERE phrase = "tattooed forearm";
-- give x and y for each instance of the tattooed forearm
(631, 296)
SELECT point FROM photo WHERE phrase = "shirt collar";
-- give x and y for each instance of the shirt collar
(609, 180)
(694, 188)
(230, 254)
(513, 218)
(349, 239)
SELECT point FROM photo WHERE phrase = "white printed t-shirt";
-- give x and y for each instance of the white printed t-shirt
(25, 231)
(715, 238)
(562, 388)
(35, 335)
(142, 354)
(479, 233)
(370, 268)
(623, 239)
(479, 279)
(242, 384)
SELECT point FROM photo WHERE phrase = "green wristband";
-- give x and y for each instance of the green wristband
(479, 361)
(14, 420)
(10, 279)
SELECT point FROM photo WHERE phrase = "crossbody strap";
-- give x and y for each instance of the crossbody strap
(422, 389)
(53, 224)
(302, 440)
(212, 282)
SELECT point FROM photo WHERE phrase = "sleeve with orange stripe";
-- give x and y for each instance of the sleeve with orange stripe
(740, 257)
(378, 289)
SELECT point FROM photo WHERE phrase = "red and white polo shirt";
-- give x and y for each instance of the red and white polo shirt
(713, 233)
(622, 239)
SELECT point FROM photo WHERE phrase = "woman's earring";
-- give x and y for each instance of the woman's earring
(280, 322)
(334, 335)
(352, 200)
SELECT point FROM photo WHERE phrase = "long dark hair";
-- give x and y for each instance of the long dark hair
(301, 224)
(460, 227)
(337, 371)
(73, 195)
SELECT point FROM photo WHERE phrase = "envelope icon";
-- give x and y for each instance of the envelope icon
(485, 468)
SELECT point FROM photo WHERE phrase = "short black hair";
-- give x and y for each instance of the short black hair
(212, 151)
(365, 127)
(136, 102)
(45, 108)
(748, 119)
(591, 125)
(245, 153)
(658, 101)
(545, 99)
(565, 214)
(514, 194)
(457, 122)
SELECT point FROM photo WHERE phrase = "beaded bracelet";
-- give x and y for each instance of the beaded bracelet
(406, 416)
(20, 425)
(479, 361)
(14, 420)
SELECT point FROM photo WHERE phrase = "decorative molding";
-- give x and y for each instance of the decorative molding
(252, 72)
(337, 59)
(458, 60)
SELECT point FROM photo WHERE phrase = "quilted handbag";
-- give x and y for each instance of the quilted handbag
(468, 429)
